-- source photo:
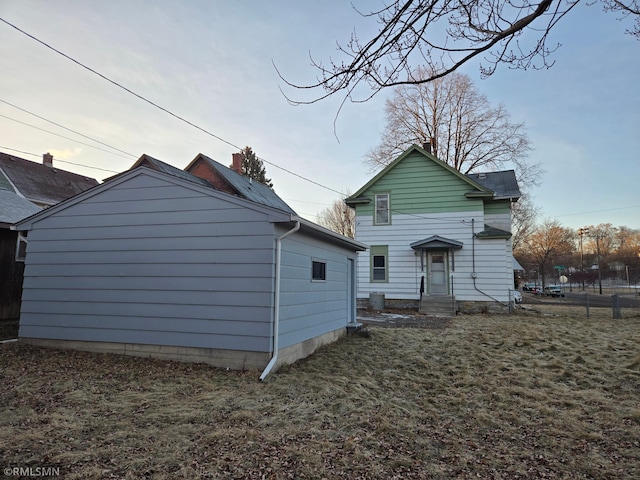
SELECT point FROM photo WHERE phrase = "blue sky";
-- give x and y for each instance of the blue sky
(211, 62)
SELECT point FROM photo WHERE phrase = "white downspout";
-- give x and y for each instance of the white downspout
(276, 308)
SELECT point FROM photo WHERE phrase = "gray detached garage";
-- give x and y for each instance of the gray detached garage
(157, 264)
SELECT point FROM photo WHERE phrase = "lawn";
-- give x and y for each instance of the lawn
(528, 396)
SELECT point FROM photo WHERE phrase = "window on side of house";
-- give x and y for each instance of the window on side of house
(379, 263)
(21, 247)
(318, 270)
(383, 212)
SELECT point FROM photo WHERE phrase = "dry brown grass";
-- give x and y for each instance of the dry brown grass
(522, 396)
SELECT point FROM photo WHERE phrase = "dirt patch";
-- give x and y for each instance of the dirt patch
(401, 318)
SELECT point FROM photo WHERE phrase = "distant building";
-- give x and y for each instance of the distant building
(25, 188)
(40, 183)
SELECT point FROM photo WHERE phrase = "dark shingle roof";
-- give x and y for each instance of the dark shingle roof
(249, 189)
(14, 208)
(41, 183)
(147, 161)
(503, 184)
(493, 232)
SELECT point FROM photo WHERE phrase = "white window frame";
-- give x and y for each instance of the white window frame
(376, 218)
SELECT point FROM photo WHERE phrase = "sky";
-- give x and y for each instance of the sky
(213, 64)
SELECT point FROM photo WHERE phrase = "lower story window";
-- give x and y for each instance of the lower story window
(379, 263)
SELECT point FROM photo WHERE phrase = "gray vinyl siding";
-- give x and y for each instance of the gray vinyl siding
(312, 308)
(149, 261)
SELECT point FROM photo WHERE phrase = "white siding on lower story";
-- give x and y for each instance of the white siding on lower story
(491, 260)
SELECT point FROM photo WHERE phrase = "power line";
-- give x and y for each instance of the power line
(19, 151)
(598, 211)
(62, 136)
(182, 119)
(66, 128)
(58, 160)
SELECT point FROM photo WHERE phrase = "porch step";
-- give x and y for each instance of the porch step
(440, 306)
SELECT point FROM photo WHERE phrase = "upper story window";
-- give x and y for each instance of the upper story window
(383, 212)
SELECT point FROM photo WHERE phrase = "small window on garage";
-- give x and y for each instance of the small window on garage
(318, 270)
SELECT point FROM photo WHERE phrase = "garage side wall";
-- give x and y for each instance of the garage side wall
(312, 308)
(151, 262)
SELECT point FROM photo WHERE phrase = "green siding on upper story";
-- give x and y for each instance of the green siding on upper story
(494, 207)
(419, 184)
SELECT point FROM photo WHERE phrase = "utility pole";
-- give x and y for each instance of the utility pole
(598, 235)
(581, 232)
(599, 270)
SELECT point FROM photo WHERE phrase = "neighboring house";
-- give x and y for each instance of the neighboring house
(41, 183)
(157, 262)
(12, 209)
(435, 235)
(25, 188)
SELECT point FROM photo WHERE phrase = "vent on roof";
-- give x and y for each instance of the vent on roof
(482, 175)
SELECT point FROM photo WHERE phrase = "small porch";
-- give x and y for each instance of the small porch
(437, 263)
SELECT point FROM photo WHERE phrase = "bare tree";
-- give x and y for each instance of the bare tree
(339, 218)
(445, 34)
(469, 133)
(524, 215)
(548, 243)
(464, 130)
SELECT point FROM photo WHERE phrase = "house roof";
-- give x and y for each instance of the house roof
(245, 187)
(496, 185)
(148, 161)
(14, 208)
(276, 215)
(40, 183)
(436, 242)
(492, 232)
(504, 183)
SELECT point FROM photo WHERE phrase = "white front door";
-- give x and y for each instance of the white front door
(437, 273)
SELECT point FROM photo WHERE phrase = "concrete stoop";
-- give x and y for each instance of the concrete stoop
(440, 306)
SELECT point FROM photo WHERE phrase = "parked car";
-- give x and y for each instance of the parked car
(528, 287)
(537, 291)
(553, 291)
(517, 296)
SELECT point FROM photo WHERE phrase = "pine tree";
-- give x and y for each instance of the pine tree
(253, 167)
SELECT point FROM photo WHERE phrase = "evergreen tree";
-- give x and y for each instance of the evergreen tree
(253, 167)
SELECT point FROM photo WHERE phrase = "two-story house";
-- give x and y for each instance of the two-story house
(437, 237)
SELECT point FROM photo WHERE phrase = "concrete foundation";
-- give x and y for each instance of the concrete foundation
(230, 359)
(301, 350)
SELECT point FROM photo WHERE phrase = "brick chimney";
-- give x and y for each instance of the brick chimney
(236, 166)
(431, 146)
(47, 159)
